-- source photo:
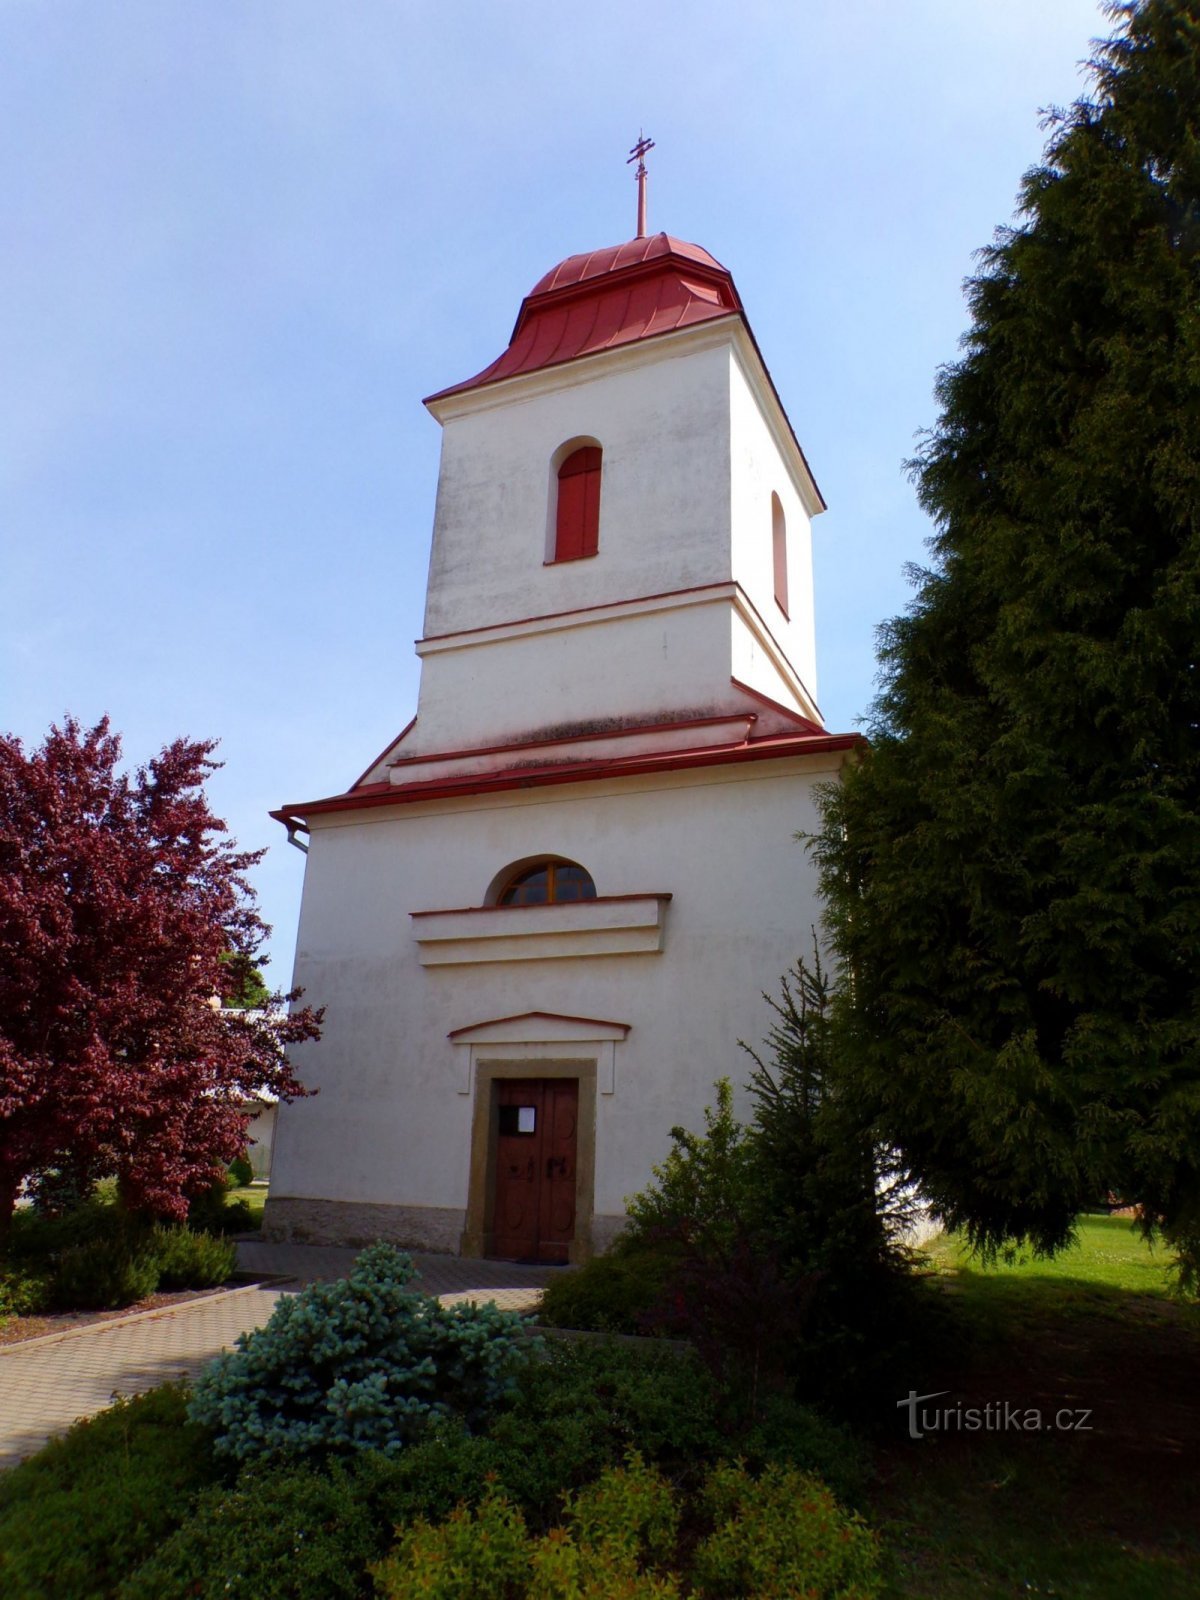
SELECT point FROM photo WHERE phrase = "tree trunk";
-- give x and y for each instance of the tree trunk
(10, 1188)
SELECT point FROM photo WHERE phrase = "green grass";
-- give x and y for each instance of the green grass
(1109, 1251)
(1102, 1514)
(255, 1197)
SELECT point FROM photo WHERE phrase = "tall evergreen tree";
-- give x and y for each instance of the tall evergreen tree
(1013, 873)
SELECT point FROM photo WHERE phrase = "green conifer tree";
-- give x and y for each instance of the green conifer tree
(1013, 872)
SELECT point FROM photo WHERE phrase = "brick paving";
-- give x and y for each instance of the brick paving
(47, 1383)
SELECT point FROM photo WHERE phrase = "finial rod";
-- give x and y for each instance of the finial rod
(638, 154)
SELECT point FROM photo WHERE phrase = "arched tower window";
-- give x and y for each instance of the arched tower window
(779, 553)
(547, 882)
(577, 520)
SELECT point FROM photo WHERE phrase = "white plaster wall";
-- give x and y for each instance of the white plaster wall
(389, 1125)
(663, 424)
(757, 468)
(488, 690)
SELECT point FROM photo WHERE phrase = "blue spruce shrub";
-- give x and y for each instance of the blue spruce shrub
(361, 1364)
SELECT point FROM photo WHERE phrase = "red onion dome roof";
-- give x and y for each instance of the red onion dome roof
(596, 263)
(604, 298)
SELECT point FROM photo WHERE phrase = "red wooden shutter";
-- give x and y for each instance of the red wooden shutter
(577, 527)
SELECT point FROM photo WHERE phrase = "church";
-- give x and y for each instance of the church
(542, 919)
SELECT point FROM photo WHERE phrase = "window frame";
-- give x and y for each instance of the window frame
(587, 532)
(779, 554)
(551, 866)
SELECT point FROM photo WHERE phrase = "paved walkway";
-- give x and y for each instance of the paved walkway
(45, 1384)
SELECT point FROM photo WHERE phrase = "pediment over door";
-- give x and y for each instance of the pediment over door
(542, 1035)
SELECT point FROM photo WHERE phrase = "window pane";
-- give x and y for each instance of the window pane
(550, 882)
(573, 883)
(530, 889)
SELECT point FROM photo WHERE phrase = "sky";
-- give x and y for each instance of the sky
(241, 239)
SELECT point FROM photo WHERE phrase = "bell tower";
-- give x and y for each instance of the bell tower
(622, 535)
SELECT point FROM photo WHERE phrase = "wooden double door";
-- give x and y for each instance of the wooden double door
(536, 1120)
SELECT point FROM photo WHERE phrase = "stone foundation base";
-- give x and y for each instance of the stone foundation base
(291, 1219)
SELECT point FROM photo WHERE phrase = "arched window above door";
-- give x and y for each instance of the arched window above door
(547, 882)
(577, 511)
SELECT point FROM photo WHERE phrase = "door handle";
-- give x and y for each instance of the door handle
(556, 1161)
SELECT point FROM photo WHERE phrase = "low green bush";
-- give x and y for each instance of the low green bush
(105, 1273)
(41, 1235)
(359, 1364)
(24, 1290)
(214, 1212)
(293, 1533)
(188, 1260)
(90, 1506)
(612, 1530)
(782, 1534)
(792, 1435)
(612, 1293)
(241, 1172)
(584, 1406)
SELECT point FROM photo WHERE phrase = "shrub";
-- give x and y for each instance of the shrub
(89, 1506)
(783, 1534)
(584, 1406)
(612, 1529)
(743, 1311)
(609, 1294)
(214, 1212)
(105, 1273)
(789, 1434)
(41, 1234)
(480, 1554)
(24, 1291)
(188, 1260)
(241, 1172)
(360, 1364)
(699, 1196)
(294, 1532)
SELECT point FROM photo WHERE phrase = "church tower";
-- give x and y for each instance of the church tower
(622, 537)
(543, 918)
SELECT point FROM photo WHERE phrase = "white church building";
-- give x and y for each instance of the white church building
(543, 918)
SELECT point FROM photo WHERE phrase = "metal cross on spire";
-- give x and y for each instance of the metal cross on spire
(638, 154)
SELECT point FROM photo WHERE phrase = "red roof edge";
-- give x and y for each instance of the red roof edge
(777, 705)
(384, 794)
(386, 751)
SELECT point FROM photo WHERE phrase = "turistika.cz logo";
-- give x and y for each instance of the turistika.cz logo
(997, 1416)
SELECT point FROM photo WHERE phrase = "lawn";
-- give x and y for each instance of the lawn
(255, 1196)
(1105, 1509)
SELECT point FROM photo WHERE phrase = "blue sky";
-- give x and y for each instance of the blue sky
(242, 238)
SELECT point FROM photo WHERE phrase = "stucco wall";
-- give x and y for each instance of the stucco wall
(390, 1126)
(690, 463)
(664, 502)
(756, 471)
